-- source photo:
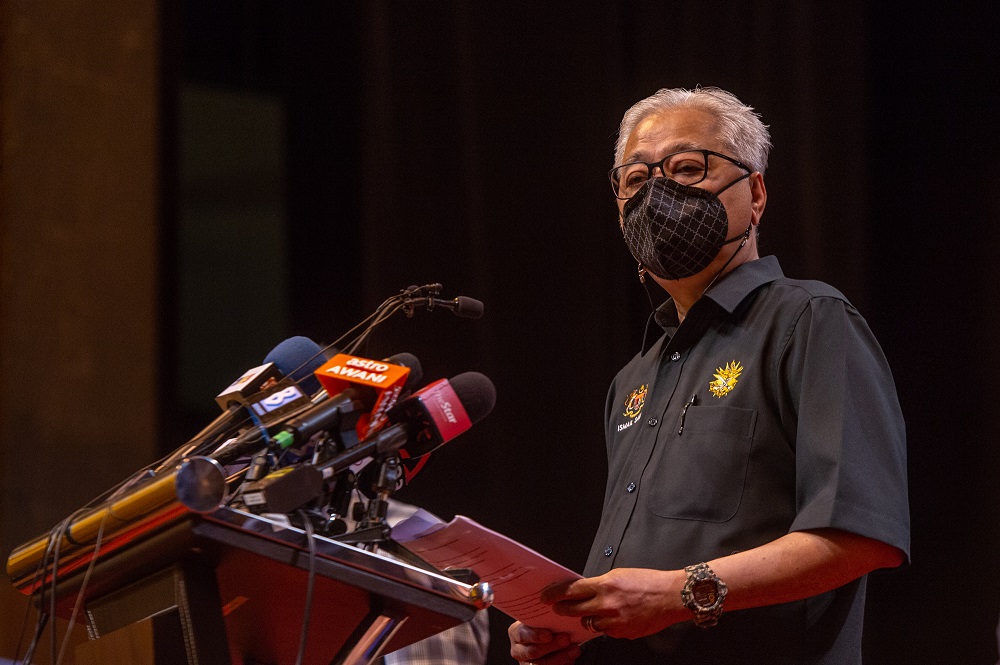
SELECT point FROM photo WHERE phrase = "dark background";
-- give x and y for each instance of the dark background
(467, 143)
(315, 157)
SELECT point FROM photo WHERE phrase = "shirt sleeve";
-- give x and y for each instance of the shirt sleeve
(850, 439)
(465, 644)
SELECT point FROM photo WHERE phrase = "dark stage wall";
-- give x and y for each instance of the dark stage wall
(316, 158)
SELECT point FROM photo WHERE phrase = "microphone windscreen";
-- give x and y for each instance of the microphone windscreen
(297, 358)
(416, 370)
(469, 308)
(476, 392)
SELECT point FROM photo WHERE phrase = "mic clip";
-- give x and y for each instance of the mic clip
(416, 296)
(427, 296)
(425, 290)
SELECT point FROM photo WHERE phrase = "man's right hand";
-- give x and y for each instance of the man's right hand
(541, 647)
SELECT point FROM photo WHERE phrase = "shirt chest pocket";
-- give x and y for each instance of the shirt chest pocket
(701, 474)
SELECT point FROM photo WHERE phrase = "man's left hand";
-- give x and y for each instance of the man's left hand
(626, 602)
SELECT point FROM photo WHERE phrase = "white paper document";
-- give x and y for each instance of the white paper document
(516, 573)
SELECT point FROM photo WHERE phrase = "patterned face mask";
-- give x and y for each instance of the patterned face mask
(675, 230)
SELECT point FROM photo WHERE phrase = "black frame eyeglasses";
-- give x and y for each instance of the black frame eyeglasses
(682, 166)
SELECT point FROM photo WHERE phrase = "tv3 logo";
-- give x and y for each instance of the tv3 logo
(278, 400)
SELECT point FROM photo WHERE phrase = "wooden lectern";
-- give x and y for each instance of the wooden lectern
(178, 579)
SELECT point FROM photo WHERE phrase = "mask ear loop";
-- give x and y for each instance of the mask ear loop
(645, 286)
(740, 179)
(746, 237)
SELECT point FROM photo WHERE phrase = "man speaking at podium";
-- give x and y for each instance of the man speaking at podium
(756, 449)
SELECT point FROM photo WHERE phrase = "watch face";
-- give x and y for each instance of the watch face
(704, 592)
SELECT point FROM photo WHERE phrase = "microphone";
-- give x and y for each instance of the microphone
(283, 360)
(292, 360)
(416, 374)
(298, 358)
(426, 420)
(477, 395)
(421, 423)
(377, 383)
(426, 296)
(349, 380)
(463, 306)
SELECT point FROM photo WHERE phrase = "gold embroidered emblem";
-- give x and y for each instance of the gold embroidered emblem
(725, 378)
(636, 400)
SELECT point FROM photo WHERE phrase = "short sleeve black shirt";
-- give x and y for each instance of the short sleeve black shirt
(771, 409)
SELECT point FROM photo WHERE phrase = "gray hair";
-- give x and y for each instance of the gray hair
(739, 127)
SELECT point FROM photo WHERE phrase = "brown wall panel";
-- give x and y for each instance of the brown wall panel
(78, 280)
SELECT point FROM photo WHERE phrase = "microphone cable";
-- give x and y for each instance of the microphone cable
(83, 589)
(51, 550)
(42, 617)
(310, 585)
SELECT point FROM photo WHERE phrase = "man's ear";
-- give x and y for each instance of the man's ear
(758, 197)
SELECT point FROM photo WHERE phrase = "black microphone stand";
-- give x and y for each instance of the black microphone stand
(373, 531)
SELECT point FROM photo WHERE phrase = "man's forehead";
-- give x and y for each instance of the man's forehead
(669, 131)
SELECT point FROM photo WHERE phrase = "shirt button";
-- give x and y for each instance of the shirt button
(652, 422)
(675, 356)
(630, 488)
(608, 551)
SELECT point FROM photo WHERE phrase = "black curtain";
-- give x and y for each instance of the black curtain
(467, 144)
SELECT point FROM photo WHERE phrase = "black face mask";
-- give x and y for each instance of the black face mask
(675, 230)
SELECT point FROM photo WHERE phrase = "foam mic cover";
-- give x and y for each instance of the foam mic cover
(477, 394)
(416, 374)
(298, 358)
(439, 412)
(469, 308)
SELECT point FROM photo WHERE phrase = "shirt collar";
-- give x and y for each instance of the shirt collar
(727, 293)
(732, 289)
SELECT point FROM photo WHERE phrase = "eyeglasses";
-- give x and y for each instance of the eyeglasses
(688, 167)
